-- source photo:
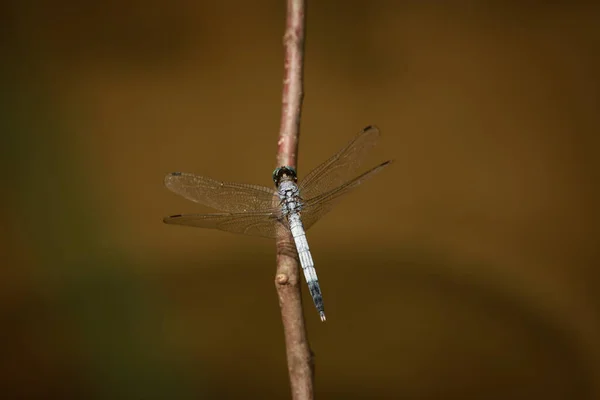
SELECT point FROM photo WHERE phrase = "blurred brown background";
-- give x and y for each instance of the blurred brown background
(472, 274)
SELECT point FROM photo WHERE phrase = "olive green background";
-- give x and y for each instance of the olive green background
(468, 269)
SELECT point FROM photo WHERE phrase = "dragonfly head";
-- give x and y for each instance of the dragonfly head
(281, 173)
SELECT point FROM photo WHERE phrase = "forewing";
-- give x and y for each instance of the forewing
(341, 167)
(224, 196)
(318, 206)
(254, 223)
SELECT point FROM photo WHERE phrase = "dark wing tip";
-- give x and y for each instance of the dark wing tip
(168, 219)
(383, 165)
(370, 128)
(170, 177)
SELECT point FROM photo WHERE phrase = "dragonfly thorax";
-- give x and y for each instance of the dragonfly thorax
(289, 194)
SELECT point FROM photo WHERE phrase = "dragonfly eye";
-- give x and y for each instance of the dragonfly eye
(280, 172)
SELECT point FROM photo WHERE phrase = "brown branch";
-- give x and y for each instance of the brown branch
(293, 42)
(288, 279)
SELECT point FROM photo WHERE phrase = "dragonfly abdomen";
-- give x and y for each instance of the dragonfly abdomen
(306, 261)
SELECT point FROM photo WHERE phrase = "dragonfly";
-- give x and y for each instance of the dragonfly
(260, 211)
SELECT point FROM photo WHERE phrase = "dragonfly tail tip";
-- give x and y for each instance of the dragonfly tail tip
(322, 315)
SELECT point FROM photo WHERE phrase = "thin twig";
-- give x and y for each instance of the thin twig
(288, 280)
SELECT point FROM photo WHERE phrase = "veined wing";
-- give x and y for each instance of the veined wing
(341, 167)
(223, 196)
(261, 224)
(318, 206)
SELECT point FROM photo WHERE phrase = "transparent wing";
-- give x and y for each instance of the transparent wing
(318, 206)
(223, 196)
(253, 223)
(341, 167)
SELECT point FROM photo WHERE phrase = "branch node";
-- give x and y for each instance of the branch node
(282, 279)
